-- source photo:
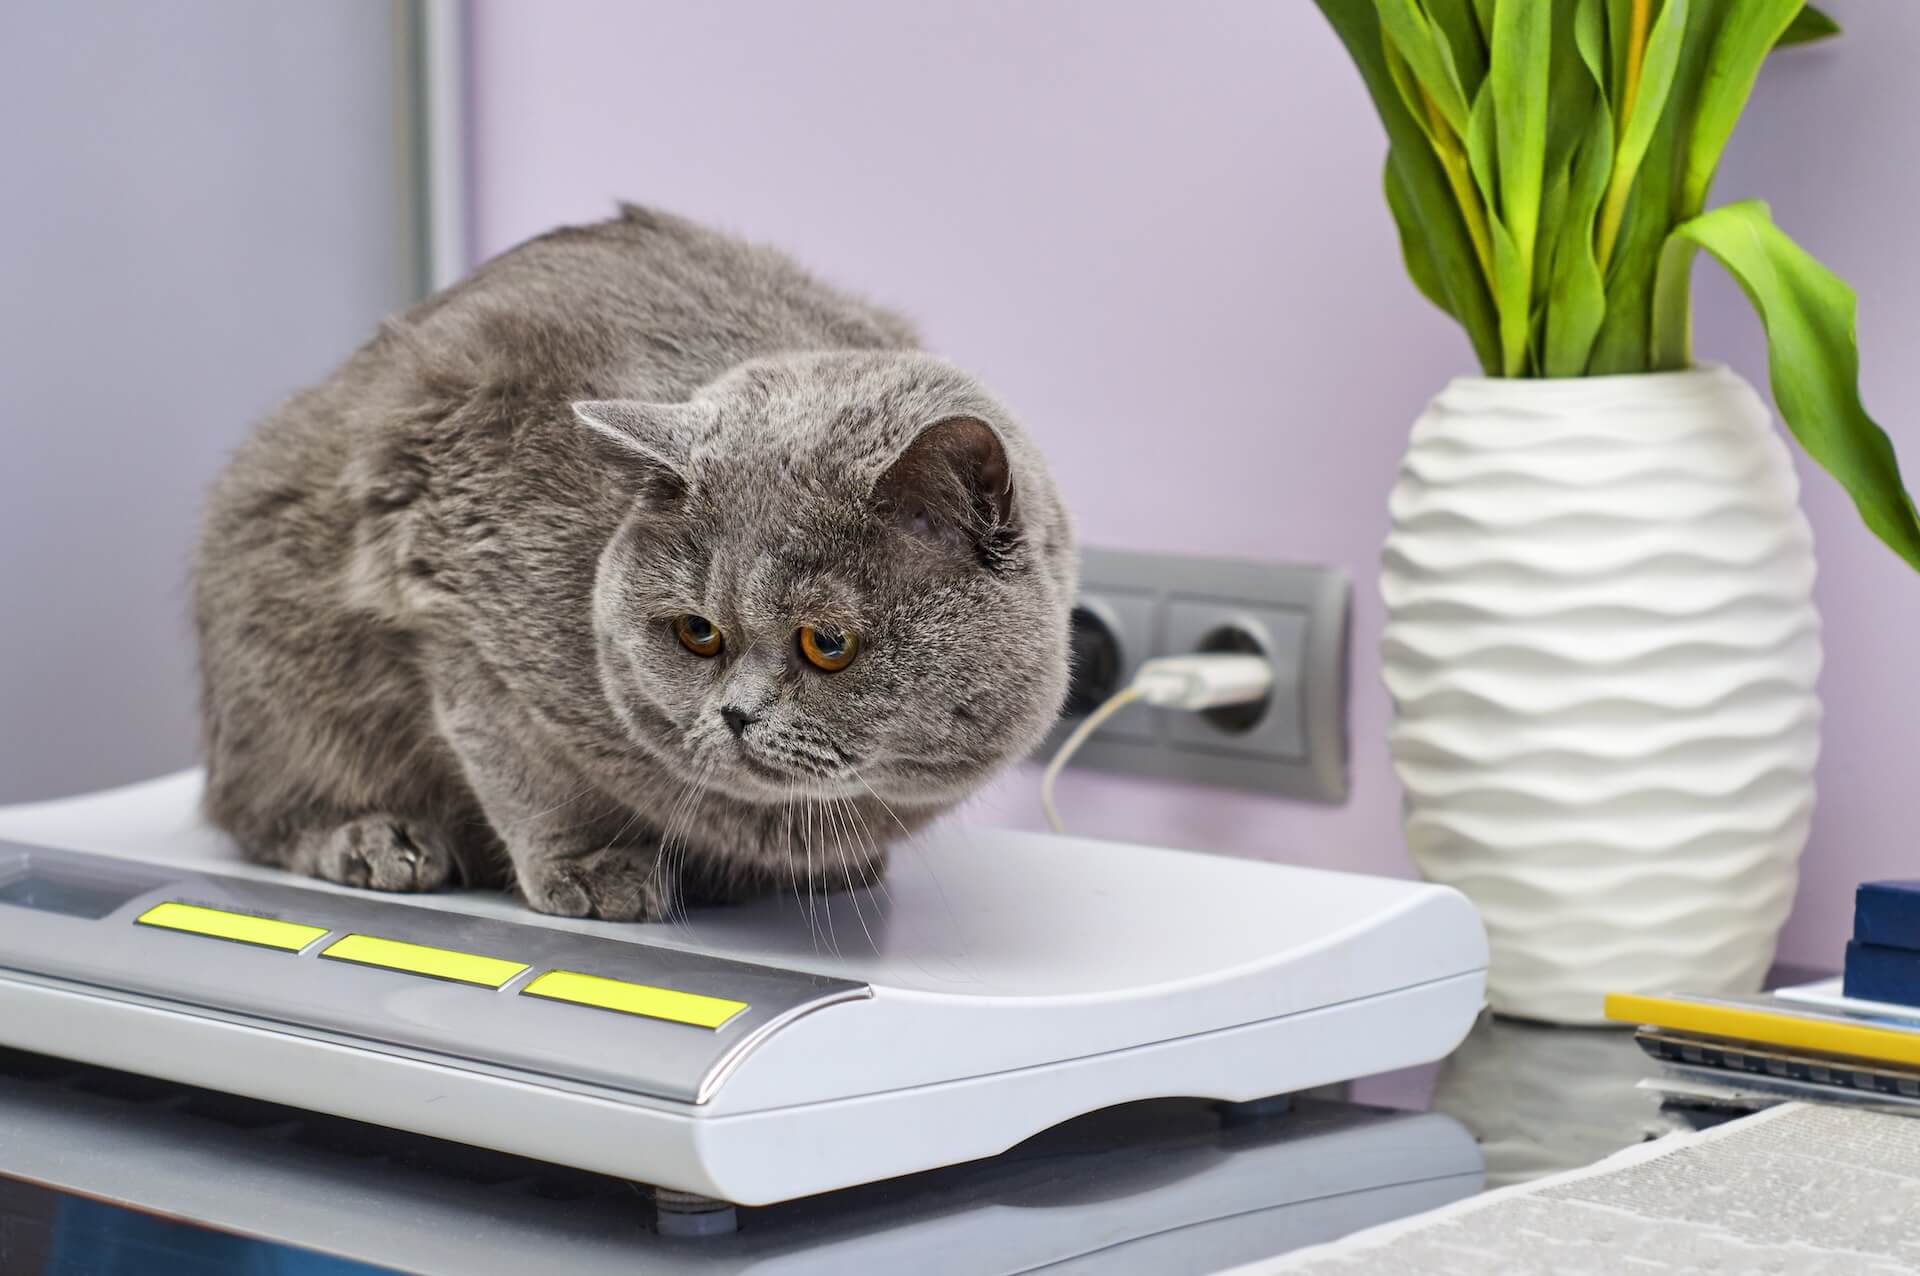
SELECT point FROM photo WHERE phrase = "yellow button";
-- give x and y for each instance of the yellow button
(241, 927)
(634, 999)
(420, 959)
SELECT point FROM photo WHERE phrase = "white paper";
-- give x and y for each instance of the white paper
(1796, 1189)
(1826, 994)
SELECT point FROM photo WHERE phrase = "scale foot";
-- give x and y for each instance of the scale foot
(690, 1214)
(1256, 1109)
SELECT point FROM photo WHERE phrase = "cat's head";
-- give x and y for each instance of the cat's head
(842, 573)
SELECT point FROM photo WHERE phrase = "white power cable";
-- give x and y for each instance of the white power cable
(1114, 704)
(1203, 680)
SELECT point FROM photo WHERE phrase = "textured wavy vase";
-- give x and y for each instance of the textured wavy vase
(1602, 647)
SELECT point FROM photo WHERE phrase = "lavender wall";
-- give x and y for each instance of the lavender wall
(1156, 229)
(201, 213)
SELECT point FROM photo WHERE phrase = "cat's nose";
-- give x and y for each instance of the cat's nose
(737, 720)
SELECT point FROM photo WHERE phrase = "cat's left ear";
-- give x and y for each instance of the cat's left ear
(952, 485)
(646, 438)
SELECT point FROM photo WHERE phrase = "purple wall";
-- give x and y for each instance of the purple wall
(1156, 229)
(201, 213)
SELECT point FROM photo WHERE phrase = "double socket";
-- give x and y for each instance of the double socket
(1294, 743)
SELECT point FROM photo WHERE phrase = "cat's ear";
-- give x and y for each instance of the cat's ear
(952, 486)
(647, 439)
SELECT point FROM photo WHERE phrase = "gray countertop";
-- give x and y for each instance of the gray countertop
(107, 1172)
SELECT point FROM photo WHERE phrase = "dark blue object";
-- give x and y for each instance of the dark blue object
(1887, 914)
(1883, 974)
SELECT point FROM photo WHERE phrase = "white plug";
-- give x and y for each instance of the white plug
(1202, 680)
(1206, 680)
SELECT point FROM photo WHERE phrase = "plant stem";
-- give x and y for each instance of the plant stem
(1636, 55)
(1620, 185)
(1453, 160)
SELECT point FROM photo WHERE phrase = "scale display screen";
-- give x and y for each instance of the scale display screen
(36, 881)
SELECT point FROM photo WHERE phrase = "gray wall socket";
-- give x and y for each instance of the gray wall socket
(1163, 604)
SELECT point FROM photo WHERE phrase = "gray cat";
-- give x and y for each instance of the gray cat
(638, 569)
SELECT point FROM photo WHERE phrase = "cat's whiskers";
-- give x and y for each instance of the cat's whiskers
(911, 843)
(872, 793)
(658, 871)
(680, 852)
(818, 816)
(813, 930)
(663, 860)
(793, 873)
(846, 869)
(675, 853)
(663, 866)
(875, 858)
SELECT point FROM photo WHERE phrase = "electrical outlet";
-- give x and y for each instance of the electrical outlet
(1295, 742)
(1276, 729)
(1130, 616)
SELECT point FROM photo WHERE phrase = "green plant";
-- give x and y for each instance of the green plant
(1548, 168)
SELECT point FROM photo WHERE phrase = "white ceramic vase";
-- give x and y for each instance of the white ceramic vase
(1602, 648)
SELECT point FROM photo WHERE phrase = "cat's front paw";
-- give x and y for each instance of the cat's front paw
(381, 852)
(616, 884)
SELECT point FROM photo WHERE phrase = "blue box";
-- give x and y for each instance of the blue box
(1887, 914)
(1883, 974)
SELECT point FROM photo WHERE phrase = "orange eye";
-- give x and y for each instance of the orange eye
(698, 635)
(828, 649)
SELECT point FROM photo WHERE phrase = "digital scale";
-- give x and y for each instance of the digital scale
(996, 985)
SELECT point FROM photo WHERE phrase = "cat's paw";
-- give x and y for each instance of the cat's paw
(379, 852)
(616, 884)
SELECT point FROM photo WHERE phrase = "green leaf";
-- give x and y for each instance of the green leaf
(1571, 100)
(1518, 62)
(1511, 282)
(1411, 95)
(1451, 247)
(1812, 361)
(1427, 53)
(1656, 80)
(1589, 40)
(1414, 249)
(1440, 223)
(1636, 130)
(1739, 48)
(1619, 23)
(1455, 22)
(1671, 336)
(1807, 26)
(1576, 295)
(1483, 152)
(1512, 276)
(1483, 15)
(1553, 215)
(1570, 92)
(1625, 340)
(1358, 27)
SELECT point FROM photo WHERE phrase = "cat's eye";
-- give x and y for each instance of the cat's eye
(828, 649)
(698, 635)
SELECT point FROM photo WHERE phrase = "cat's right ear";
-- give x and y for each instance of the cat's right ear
(645, 439)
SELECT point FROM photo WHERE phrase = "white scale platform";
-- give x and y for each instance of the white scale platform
(1000, 984)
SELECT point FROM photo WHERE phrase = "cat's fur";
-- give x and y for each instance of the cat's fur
(435, 593)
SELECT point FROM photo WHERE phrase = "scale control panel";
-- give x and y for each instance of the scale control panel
(642, 1019)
